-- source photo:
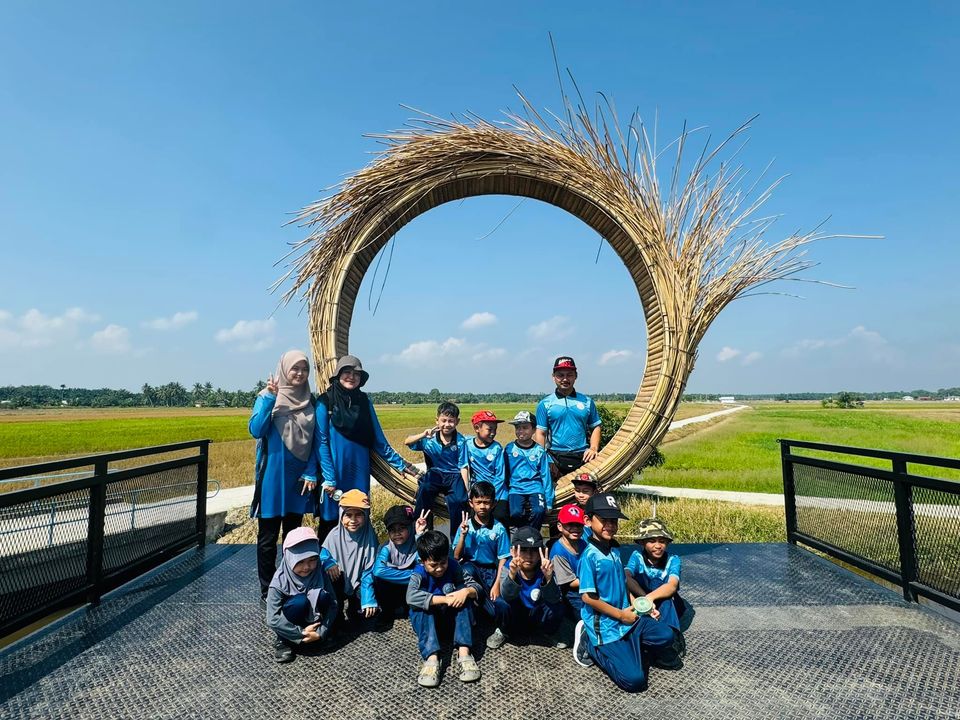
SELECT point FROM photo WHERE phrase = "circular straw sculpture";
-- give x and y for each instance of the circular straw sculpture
(690, 249)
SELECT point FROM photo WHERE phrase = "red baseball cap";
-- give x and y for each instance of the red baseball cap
(570, 514)
(484, 416)
(564, 362)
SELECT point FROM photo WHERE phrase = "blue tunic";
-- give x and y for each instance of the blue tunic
(346, 464)
(279, 492)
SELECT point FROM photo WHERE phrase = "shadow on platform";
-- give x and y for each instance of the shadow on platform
(779, 633)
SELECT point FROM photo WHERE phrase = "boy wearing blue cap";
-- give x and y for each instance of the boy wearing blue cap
(610, 634)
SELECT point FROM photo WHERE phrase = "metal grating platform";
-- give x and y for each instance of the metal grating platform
(779, 633)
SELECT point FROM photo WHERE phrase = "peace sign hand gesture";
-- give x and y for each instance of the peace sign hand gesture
(273, 384)
(546, 567)
(420, 525)
(465, 523)
(514, 562)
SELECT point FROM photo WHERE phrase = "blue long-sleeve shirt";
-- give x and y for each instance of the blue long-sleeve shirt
(279, 491)
(385, 572)
(344, 463)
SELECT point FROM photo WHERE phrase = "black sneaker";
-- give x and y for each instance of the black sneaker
(282, 652)
(580, 642)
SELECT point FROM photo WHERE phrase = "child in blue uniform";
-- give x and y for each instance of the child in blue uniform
(353, 545)
(482, 545)
(441, 597)
(395, 561)
(655, 573)
(610, 633)
(485, 456)
(284, 423)
(301, 604)
(565, 554)
(528, 473)
(530, 602)
(448, 473)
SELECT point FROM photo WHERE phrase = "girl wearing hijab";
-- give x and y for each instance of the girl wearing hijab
(284, 422)
(347, 432)
(301, 605)
(353, 546)
(396, 560)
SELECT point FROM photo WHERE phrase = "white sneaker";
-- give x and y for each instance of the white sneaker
(580, 643)
(496, 639)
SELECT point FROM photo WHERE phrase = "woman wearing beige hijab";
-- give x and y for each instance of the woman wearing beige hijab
(283, 422)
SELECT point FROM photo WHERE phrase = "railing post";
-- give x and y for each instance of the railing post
(202, 493)
(95, 529)
(906, 533)
(789, 492)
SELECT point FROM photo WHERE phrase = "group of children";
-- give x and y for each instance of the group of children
(629, 617)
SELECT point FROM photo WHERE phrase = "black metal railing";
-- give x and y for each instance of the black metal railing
(69, 542)
(897, 525)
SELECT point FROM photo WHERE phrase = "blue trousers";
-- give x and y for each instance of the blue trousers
(527, 510)
(623, 660)
(442, 620)
(442, 483)
(486, 576)
(515, 618)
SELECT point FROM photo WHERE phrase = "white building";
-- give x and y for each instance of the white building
(727, 399)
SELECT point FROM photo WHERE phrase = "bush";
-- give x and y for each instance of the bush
(610, 422)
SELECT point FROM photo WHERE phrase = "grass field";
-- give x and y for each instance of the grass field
(741, 451)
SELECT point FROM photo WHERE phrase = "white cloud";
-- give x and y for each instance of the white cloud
(751, 357)
(174, 322)
(859, 339)
(112, 340)
(478, 320)
(425, 353)
(727, 353)
(248, 335)
(35, 329)
(555, 328)
(615, 357)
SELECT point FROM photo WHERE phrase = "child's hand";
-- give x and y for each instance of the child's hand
(369, 612)
(465, 523)
(273, 384)
(311, 633)
(334, 573)
(420, 526)
(457, 599)
(627, 616)
(430, 432)
(495, 590)
(514, 568)
(655, 614)
(546, 567)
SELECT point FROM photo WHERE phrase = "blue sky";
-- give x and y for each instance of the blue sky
(150, 154)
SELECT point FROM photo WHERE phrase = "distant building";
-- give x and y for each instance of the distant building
(908, 398)
(951, 398)
(727, 399)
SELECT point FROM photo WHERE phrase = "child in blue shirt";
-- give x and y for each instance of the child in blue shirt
(530, 496)
(655, 573)
(441, 597)
(485, 456)
(610, 633)
(565, 555)
(395, 561)
(448, 473)
(482, 544)
(530, 602)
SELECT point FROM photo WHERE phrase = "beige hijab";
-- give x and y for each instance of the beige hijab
(293, 413)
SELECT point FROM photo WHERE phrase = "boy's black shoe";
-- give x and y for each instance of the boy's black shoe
(580, 641)
(282, 652)
(667, 659)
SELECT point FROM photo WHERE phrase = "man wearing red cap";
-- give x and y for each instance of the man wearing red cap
(568, 423)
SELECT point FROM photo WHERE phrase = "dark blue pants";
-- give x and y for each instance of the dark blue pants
(442, 620)
(391, 597)
(623, 660)
(527, 510)
(515, 618)
(486, 576)
(442, 483)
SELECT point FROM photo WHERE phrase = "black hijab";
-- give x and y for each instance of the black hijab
(349, 412)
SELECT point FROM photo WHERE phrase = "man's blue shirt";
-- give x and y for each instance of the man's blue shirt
(567, 420)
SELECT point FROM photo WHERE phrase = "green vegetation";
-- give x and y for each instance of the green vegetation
(844, 400)
(741, 452)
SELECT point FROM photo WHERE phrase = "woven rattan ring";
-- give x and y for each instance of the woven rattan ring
(677, 248)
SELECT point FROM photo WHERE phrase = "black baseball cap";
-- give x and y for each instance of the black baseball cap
(604, 505)
(526, 537)
(398, 515)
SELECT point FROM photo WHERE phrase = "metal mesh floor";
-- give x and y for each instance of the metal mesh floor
(778, 633)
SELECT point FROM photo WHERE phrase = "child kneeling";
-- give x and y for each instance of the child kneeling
(530, 600)
(610, 633)
(395, 562)
(301, 604)
(441, 597)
